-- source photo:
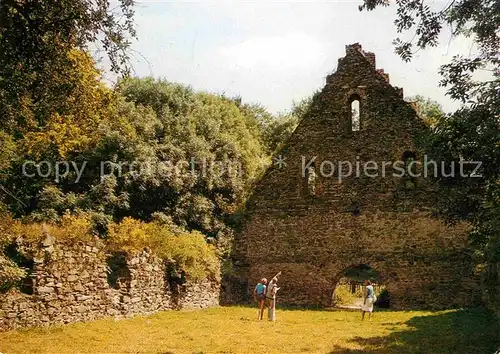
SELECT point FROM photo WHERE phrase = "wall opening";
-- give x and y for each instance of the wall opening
(355, 110)
(355, 208)
(119, 276)
(310, 179)
(24, 262)
(350, 288)
(175, 278)
(409, 156)
(409, 159)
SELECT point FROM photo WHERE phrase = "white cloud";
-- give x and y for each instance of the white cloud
(282, 53)
(276, 52)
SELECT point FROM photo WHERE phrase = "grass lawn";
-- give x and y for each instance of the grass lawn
(236, 330)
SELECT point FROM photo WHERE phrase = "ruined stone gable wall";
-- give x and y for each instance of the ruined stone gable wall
(384, 222)
(71, 284)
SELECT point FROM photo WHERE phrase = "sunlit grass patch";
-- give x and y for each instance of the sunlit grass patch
(236, 330)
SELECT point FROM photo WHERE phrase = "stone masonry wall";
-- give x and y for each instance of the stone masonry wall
(71, 283)
(314, 229)
(422, 262)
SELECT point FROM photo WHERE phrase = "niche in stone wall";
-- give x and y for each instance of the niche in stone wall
(119, 276)
(20, 259)
(310, 179)
(174, 277)
(355, 208)
(409, 160)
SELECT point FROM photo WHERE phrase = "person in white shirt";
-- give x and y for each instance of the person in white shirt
(369, 300)
(272, 289)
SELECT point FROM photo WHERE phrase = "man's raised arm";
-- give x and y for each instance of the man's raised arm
(277, 275)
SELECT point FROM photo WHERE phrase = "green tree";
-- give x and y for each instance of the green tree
(277, 130)
(274, 130)
(74, 119)
(72, 127)
(430, 110)
(37, 38)
(167, 152)
(7, 150)
(208, 132)
(471, 133)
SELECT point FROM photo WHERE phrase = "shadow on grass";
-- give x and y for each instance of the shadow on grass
(280, 307)
(462, 332)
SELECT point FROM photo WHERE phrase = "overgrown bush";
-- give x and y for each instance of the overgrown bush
(10, 273)
(187, 250)
(69, 228)
(383, 300)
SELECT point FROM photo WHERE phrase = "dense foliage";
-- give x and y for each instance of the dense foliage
(37, 38)
(429, 110)
(472, 133)
(275, 130)
(147, 163)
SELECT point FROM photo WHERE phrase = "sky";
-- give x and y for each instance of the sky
(274, 53)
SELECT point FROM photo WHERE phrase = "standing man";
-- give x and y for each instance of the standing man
(272, 289)
(259, 295)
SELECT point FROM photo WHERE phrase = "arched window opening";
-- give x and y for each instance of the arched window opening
(350, 288)
(355, 114)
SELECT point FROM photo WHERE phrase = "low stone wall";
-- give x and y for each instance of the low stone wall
(81, 282)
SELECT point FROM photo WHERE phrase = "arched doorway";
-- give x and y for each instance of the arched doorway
(349, 287)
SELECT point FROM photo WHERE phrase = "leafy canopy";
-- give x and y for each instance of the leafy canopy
(36, 39)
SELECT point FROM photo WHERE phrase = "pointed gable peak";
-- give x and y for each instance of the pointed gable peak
(357, 59)
(356, 49)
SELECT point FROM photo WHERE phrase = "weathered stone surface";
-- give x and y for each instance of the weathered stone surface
(312, 229)
(66, 292)
(45, 289)
(83, 297)
(48, 241)
(72, 278)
